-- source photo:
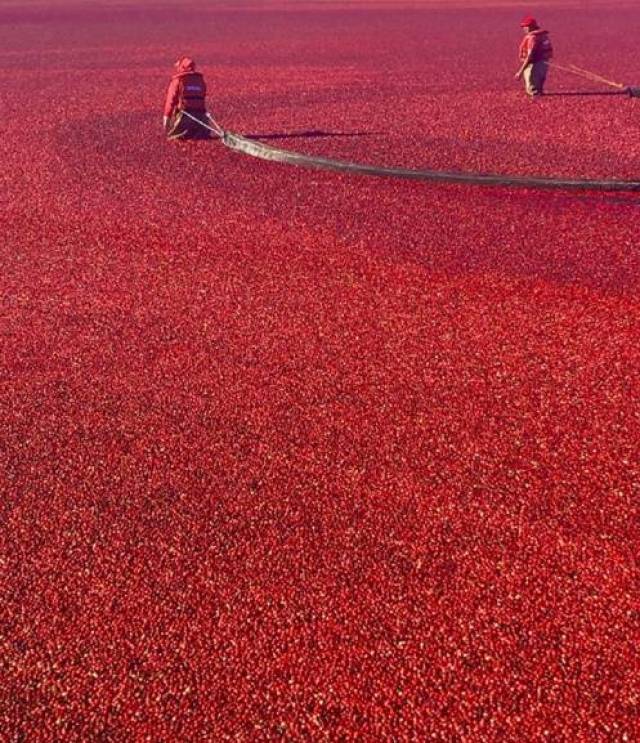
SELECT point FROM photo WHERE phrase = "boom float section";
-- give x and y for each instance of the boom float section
(265, 152)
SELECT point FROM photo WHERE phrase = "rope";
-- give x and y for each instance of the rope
(265, 152)
(587, 75)
(598, 78)
(216, 129)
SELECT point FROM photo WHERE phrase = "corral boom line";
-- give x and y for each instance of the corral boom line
(265, 152)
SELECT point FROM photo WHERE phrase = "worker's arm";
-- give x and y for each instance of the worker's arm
(171, 100)
(526, 61)
(526, 52)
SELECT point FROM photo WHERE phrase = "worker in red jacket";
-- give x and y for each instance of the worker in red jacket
(186, 101)
(535, 53)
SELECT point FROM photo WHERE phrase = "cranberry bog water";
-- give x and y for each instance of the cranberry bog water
(301, 455)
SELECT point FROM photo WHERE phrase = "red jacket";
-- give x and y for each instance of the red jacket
(187, 89)
(537, 44)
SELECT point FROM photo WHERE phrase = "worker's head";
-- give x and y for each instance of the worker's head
(528, 24)
(185, 64)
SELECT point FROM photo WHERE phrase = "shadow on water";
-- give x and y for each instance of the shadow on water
(308, 134)
(586, 93)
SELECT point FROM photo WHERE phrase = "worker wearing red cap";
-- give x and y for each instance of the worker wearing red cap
(535, 53)
(186, 101)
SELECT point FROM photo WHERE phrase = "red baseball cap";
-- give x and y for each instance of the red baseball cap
(528, 20)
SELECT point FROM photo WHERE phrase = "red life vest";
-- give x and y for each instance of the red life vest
(538, 44)
(192, 92)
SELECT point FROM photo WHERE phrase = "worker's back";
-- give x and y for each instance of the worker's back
(185, 110)
(192, 91)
